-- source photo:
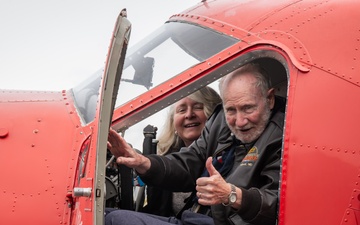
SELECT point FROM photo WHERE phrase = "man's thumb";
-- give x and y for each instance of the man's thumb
(210, 168)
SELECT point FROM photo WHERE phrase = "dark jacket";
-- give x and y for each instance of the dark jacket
(159, 200)
(258, 179)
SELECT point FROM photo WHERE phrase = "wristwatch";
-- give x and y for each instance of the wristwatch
(232, 196)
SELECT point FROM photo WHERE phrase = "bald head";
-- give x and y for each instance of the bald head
(262, 78)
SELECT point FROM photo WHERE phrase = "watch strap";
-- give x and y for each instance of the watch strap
(232, 192)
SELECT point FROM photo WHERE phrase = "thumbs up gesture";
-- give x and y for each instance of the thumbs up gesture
(214, 189)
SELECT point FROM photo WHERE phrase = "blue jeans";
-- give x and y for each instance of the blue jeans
(127, 217)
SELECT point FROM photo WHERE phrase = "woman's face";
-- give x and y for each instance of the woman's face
(189, 119)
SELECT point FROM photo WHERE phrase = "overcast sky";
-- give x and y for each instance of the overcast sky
(52, 45)
(55, 44)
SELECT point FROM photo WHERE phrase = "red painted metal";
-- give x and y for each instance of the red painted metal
(319, 42)
(37, 174)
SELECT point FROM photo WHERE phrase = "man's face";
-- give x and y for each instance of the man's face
(247, 111)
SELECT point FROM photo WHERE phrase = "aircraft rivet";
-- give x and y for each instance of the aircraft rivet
(32, 145)
(345, 220)
(36, 131)
(3, 132)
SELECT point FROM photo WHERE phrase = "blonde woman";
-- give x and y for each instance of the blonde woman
(185, 121)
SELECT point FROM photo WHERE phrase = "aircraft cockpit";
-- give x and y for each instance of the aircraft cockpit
(163, 68)
(164, 60)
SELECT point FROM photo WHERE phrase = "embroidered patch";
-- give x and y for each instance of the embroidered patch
(251, 157)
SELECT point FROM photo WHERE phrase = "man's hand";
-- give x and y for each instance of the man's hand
(125, 154)
(214, 189)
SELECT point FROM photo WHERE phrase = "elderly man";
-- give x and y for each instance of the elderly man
(234, 165)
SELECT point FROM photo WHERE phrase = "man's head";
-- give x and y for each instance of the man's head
(247, 100)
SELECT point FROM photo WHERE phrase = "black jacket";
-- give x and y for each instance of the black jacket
(259, 180)
(159, 200)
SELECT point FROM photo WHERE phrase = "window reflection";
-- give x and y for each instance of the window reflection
(170, 50)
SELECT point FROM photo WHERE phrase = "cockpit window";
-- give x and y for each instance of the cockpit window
(168, 51)
(171, 49)
(86, 96)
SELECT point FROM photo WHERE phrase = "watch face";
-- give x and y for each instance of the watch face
(232, 198)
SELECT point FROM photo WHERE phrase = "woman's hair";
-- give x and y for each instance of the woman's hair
(167, 138)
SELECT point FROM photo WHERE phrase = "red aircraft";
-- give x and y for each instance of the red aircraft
(53, 144)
